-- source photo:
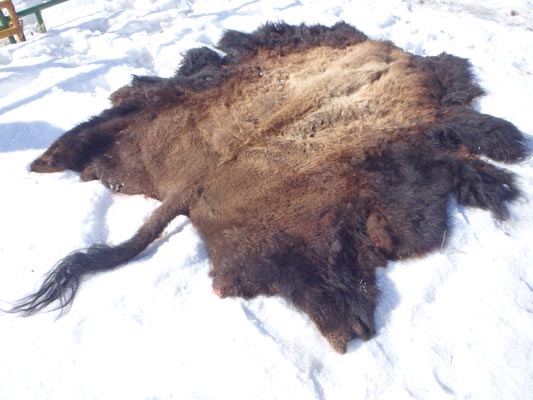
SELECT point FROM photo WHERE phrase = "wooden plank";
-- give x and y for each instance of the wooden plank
(39, 7)
(15, 29)
(8, 32)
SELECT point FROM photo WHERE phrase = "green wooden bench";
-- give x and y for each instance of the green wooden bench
(10, 24)
(36, 10)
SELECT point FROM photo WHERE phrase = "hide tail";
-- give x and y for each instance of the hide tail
(61, 284)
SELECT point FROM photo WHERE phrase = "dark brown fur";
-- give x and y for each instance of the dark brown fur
(305, 158)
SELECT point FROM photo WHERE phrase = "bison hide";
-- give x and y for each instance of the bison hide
(305, 157)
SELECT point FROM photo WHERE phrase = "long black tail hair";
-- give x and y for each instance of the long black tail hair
(62, 282)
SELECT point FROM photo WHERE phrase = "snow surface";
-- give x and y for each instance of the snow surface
(457, 324)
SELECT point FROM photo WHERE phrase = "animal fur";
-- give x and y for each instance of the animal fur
(306, 157)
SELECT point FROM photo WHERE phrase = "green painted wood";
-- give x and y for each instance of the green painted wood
(39, 7)
(40, 21)
(4, 21)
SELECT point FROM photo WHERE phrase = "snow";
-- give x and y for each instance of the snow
(457, 323)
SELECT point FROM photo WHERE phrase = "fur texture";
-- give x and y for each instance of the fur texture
(305, 157)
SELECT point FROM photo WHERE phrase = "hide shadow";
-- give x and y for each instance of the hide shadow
(18, 136)
(388, 300)
(389, 297)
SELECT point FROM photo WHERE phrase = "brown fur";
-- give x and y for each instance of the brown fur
(305, 158)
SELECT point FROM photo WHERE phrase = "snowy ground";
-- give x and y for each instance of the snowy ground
(457, 324)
